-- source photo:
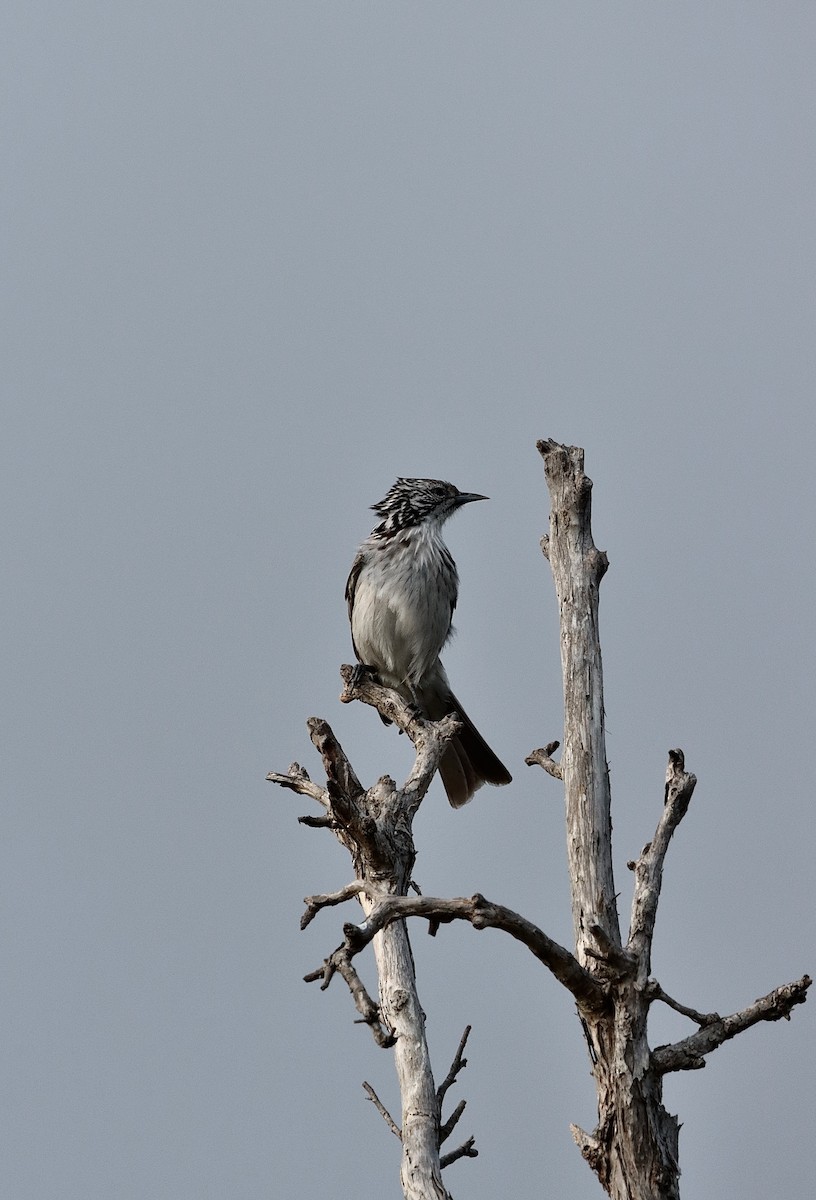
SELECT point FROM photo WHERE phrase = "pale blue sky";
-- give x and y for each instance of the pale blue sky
(260, 259)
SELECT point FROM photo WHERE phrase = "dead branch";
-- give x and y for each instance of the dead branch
(429, 738)
(297, 780)
(382, 1110)
(649, 867)
(459, 1063)
(466, 1150)
(339, 963)
(374, 825)
(483, 914)
(453, 1120)
(315, 903)
(314, 822)
(634, 1148)
(655, 992)
(577, 569)
(689, 1054)
(541, 758)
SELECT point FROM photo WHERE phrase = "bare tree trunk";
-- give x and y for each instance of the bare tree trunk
(420, 1171)
(578, 568)
(634, 1148)
(401, 1012)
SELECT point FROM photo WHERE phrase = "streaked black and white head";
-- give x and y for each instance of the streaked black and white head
(414, 501)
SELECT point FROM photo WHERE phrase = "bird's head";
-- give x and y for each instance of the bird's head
(413, 501)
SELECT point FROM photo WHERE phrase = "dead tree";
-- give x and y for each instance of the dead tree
(634, 1147)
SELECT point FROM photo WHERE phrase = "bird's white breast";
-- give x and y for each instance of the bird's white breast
(403, 600)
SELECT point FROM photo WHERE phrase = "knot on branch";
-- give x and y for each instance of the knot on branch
(481, 911)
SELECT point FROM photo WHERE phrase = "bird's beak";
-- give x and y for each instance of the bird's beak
(467, 497)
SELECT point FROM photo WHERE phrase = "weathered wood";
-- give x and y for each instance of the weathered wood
(578, 567)
(634, 1148)
(483, 914)
(375, 826)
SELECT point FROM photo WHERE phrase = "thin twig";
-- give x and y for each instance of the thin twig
(383, 1111)
(459, 1063)
(656, 992)
(453, 1120)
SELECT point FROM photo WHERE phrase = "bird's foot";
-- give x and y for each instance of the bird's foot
(360, 673)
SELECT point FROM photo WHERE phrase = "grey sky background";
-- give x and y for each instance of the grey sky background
(259, 259)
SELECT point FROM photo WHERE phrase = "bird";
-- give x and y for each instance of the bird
(401, 594)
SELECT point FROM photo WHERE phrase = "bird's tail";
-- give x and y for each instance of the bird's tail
(468, 761)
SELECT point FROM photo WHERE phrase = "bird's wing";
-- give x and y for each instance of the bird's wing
(351, 588)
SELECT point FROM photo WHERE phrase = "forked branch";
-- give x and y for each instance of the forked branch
(649, 867)
(689, 1054)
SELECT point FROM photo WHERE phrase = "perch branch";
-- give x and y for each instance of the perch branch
(375, 827)
(429, 738)
(689, 1054)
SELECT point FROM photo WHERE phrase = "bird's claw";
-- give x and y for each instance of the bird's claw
(359, 674)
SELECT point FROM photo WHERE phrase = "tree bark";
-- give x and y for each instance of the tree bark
(578, 568)
(634, 1148)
